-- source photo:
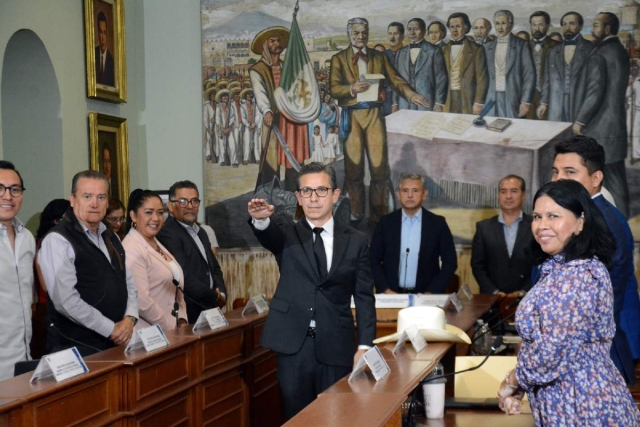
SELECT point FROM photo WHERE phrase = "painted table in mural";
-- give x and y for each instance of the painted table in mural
(466, 167)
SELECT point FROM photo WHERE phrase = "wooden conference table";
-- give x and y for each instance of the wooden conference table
(365, 402)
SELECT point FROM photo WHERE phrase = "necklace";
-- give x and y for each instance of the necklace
(162, 254)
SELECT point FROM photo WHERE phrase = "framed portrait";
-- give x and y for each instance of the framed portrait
(105, 50)
(109, 152)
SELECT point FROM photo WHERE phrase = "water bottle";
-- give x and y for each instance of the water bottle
(482, 343)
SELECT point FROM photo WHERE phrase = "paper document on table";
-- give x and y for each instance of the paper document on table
(458, 125)
(427, 127)
(371, 94)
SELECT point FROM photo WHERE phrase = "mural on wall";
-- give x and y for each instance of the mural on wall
(283, 87)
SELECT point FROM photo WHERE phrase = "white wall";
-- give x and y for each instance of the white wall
(163, 75)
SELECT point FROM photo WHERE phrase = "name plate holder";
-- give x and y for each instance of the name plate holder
(257, 304)
(213, 317)
(372, 358)
(466, 292)
(151, 338)
(411, 334)
(62, 365)
(457, 304)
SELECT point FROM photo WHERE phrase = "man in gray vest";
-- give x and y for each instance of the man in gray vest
(563, 66)
(540, 45)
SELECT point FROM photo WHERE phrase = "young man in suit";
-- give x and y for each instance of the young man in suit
(582, 159)
(105, 67)
(540, 44)
(499, 253)
(323, 264)
(466, 67)
(512, 74)
(412, 249)
(188, 243)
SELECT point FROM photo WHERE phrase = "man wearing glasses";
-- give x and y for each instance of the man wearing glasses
(188, 243)
(17, 249)
(323, 263)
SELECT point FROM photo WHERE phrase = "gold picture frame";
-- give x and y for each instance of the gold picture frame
(109, 152)
(105, 50)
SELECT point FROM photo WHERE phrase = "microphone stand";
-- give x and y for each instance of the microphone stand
(496, 344)
(406, 264)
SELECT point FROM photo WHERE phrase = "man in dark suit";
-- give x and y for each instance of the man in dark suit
(512, 74)
(540, 44)
(395, 33)
(188, 243)
(466, 67)
(323, 263)
(561, 85)
(499, 252)
(582, 159)
(602, 114)
(412, 249)
(362, 125)
(421, 64)
(104, 60)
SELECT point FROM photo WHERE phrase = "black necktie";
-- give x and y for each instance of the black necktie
(318, 250)
(457, 42)
(538, 42)
(573, 42)
(415, 45)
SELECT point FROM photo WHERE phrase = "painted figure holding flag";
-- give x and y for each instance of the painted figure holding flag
(288, 98)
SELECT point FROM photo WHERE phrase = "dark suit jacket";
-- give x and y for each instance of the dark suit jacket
(428, 78)
(621, 272)
(436, 243)
(196, 269)
(302, 295)
(344, 74)
(554, 75)
(520, 74)
(474, 77)
(108, 78)
(603, 110)
(492, 267)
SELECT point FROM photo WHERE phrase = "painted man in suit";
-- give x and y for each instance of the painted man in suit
(437, 32)
(540, 44)
(323, 263)
(602, 114)
(422, 65)
(481, 30)
(395, 33)
(362, 126)
(582, 159)
(412, 249)
(511, 70)
(105, 74)
(499, 253)
(188, 243)
(564, 65)
(466, 67)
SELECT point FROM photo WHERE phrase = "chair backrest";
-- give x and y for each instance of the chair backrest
(483, 382)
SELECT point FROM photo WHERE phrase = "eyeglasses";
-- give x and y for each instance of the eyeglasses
(115, 219)
(14, 190)
(306, 192)
(185, 202)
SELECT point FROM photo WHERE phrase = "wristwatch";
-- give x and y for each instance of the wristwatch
(133, 319)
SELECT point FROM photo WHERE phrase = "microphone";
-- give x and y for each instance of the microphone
(496, 344)
(406, 263)
(72, 340)
(508, 307)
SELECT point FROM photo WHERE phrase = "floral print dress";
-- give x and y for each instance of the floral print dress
(567, 326)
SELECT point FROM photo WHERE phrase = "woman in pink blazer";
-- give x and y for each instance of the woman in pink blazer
(154, 269)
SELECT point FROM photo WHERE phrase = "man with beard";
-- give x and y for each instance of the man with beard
(395, 33)
(564, 64)
(252, 123)
(466, 67)
(265, 78)
(511, 70)
(362, 126)
(422, 65)
(437, 32)
(540, 44)
(602, 113)
(481, 30)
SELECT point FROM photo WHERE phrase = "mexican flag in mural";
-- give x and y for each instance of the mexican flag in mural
(298, 96)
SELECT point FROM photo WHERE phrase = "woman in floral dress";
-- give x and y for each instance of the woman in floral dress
(566, 320)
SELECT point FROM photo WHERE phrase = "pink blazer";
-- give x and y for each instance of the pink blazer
(154, 281)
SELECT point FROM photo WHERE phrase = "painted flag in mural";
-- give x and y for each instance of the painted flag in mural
(298, 96)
